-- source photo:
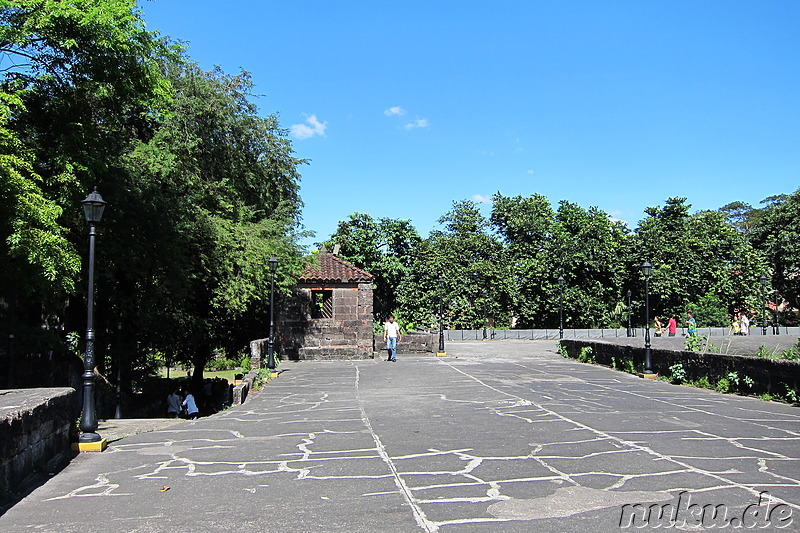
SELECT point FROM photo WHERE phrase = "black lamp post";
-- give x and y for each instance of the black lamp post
(118, 410)
(560, 307)
(273, 266)
(647, 269)
(93, 206)
(485, 316)
(763, 280)
(441, 317)
(630, 330)
(776, 330)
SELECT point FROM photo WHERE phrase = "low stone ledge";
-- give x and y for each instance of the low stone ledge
(34, 433)
(768, 375)
(241, 390)
(414, 342)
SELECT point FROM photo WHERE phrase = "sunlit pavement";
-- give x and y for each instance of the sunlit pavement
(498, 436)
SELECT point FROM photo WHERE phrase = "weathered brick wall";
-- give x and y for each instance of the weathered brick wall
(769, 375)
(347, 335)
(34, 432)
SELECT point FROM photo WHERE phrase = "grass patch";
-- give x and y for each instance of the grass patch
(177, 373)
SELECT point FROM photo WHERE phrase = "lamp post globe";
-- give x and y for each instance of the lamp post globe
(93, 206)
(273, 267)
(561, 307)
(647, 269)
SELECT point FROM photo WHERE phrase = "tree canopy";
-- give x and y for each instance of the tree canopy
(201, 188)
(507, 266)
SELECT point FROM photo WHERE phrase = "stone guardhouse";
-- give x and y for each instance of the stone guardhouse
(330, 313)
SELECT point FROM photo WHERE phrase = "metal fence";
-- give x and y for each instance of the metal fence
(545, 334)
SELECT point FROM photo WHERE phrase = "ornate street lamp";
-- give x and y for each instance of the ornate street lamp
(630, 330)
(647, 269)
(485, 316)
(273, 266)
(93, 206)
(763, 280)
(560, 307)
(441, 352)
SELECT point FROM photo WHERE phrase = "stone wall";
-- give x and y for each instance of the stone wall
(34, 433)
(346, 335)
(768, 375)
(413, 342)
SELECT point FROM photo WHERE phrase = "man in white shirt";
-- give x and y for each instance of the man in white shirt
(391, 334)
(744, 324)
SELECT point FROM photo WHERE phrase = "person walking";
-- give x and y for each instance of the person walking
(658, 326)
(744, 324)
(692, 325)
(391, 334)
(734, 326)
(174, 404)
(192, 412)
(672, 326)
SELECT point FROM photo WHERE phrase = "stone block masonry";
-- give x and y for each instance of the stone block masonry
(34, 433)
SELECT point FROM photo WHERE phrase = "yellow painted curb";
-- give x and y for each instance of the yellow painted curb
(649, 376)
(441, 354)
(98, 446)
(274, 374)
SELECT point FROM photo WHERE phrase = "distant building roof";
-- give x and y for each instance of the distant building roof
(332, 268)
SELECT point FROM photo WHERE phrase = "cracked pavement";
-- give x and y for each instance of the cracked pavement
(498, 436)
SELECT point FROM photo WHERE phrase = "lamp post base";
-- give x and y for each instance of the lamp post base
(96, 446)
(648, 375)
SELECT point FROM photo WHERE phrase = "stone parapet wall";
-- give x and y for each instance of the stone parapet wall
(768, 375)
(415, 342)
(34, 433)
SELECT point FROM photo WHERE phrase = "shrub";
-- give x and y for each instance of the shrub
(585, 355)
(723, 385)
(678, 373)
(562, 349)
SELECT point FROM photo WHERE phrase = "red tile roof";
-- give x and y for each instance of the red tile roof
(332, 268)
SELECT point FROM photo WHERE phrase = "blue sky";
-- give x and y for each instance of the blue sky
(404, 107)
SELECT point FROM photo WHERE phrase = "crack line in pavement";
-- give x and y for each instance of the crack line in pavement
(419, 515)
(624, 442)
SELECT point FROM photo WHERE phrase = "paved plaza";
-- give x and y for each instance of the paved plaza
(502, 436)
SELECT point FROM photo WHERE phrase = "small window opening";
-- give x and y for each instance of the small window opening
(321, 303)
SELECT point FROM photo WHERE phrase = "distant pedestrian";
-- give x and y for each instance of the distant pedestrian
(174, 404)
(734, 326)
(672, 326)
(691, 325)
(391, 334)
(659, 327)
(744, 325)
(190, 406)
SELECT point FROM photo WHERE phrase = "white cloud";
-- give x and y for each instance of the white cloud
(481, 199)
(418, 123)
(311, 128)
(530, 171)
(394, 111)
(613, 216)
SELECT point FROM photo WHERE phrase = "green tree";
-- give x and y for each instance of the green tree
(778, 236)
(386, 248)
(210, 197)
(581, 245)
(471, 262)
(696, 258)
